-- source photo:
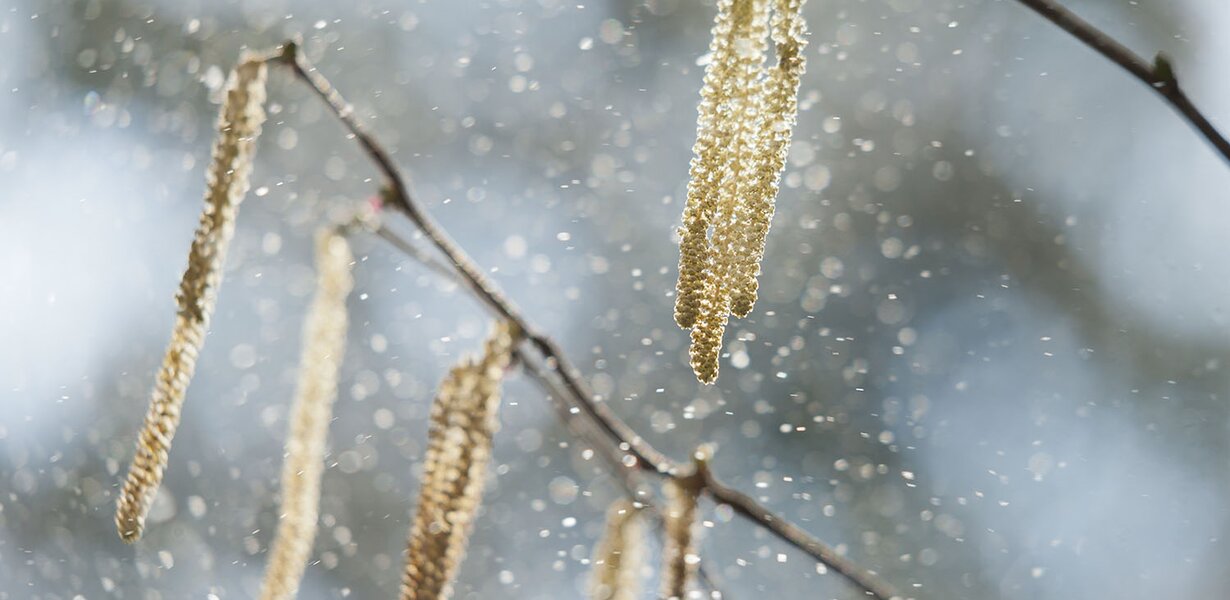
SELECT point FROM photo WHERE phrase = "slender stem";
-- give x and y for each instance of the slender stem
(398, 195)
(648, 459)
(1159, 75)
(749, 508)
(420, 255)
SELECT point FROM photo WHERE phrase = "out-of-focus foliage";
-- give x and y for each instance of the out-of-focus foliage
(988, 360)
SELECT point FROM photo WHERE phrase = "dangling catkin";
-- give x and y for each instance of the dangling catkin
(324, 341)
(463, 421)
(751, 18)
(239, 123)
(679, 558)
(619, 554)
(705, 173)
(780, 98)
(743, 135)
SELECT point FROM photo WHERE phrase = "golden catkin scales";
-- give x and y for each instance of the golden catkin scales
(618, 557)
(779, 99)
(679, 558)
(324, 341)
(705, 173)
(745, 118)
(239, 124)
(463, 421)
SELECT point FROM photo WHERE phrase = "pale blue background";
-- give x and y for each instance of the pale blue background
(990, 358)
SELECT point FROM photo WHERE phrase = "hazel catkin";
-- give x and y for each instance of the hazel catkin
(463, 422)
(324, 342)
(744, 121)
(239, 124)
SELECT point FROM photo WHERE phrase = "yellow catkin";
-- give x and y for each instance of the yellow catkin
(679, 558)
(239, 123)
(324, 341)
(619, 555)
(751, 22)
(705, 173)
(743, 136)
(463, 421)
(780, 106)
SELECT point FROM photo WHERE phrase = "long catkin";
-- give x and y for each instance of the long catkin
(746, 114)
(705, 172)
(463, 421)
(619, 555)
(780, 102)
(739, 160)
(324, 342)
(239, 124)
(679, 558)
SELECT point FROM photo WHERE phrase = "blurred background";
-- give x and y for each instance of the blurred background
(989, 360)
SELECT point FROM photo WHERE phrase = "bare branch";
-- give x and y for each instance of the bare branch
(418, 254)
(578, 394)
(398, 195)
(631, 481)
(749, 508)
(1158, 75)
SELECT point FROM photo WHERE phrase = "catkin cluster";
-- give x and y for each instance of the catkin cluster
(324, 341)
(619, 555)
(463, 421)
(745, 117)
(239, 123)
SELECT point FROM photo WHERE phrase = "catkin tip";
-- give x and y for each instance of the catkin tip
(130, 527)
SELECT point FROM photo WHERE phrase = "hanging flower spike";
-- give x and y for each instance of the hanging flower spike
(780, 105)
(705, 173)
(747, 113)
(324, 342)
(463, 421)
(619, 555)
(239, 124)
(751, 18)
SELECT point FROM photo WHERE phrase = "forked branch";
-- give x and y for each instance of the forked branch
(397, 194)
(1158, 75)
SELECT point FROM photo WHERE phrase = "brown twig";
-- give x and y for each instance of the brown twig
(418, 254)
(1159, 75)
(756, 512)
(397, 194)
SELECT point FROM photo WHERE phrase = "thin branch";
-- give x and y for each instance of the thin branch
(630, 480)
(752, 510)
(418, 254)
(1159, 75)
(397, 193)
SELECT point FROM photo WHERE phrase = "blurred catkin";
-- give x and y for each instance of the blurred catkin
(463, 421)
(324, 341)
(239, 123)
(679, 558)
(743, 129)
(619, 555)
